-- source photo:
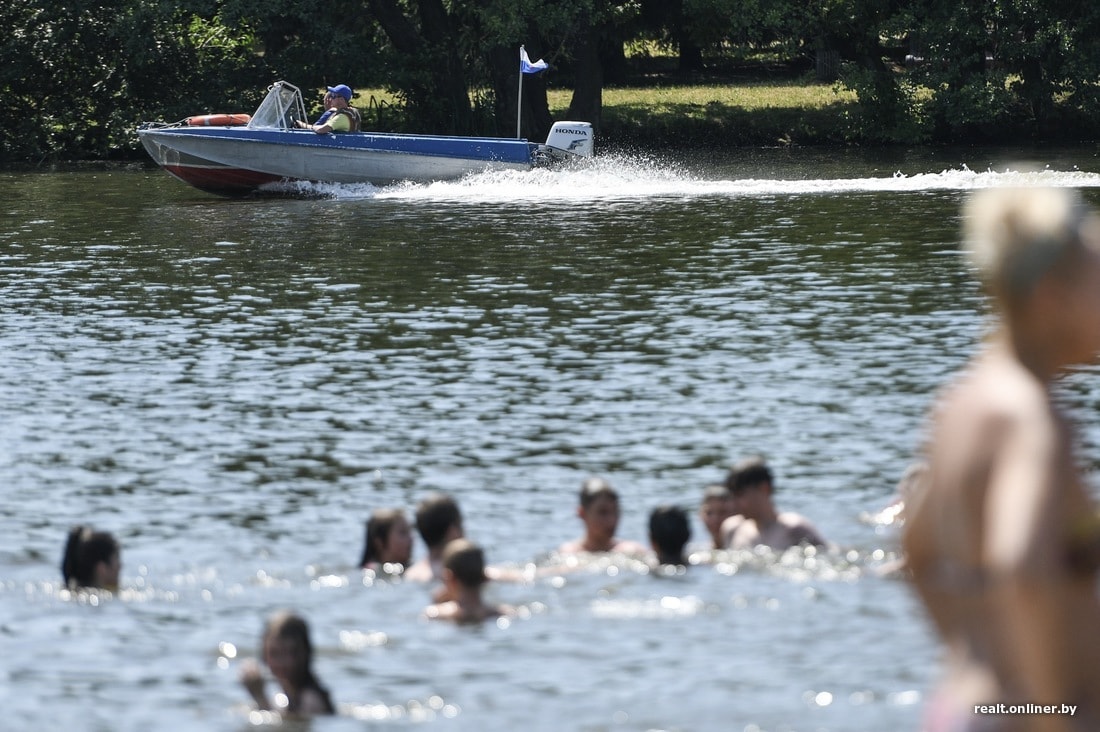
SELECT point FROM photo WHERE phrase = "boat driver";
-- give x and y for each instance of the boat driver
(339, 115)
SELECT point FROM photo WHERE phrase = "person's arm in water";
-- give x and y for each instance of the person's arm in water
(252, 679)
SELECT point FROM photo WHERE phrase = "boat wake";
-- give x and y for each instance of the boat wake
(622, 177)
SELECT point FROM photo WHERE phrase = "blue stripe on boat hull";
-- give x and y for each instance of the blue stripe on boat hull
(373, 158)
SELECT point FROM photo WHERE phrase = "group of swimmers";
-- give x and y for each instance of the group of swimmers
(1001, 538)
(738, 513)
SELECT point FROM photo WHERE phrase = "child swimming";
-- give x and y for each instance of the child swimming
(288, 653)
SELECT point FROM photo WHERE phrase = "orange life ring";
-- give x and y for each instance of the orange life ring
(219, 120)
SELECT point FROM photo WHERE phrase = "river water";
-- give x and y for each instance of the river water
(232, 386)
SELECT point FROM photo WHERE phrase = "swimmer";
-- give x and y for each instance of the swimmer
(464, 577)
(717, 506)
(92, 559)
(909, 487)
(438, 521)
(669, 533)
(288, 653)
(599, 510)
(756, 521)
(1002, 541)
(387, 545)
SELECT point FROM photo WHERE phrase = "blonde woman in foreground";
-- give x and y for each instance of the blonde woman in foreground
(1003, 542)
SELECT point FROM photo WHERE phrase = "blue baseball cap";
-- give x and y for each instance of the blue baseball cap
(343, 90)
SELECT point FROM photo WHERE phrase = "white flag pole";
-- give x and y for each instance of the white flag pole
(519, 96)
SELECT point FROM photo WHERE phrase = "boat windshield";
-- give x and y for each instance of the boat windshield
(280, 109)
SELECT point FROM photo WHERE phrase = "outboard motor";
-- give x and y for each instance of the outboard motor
(575, 138)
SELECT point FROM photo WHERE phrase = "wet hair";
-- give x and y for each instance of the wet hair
(1016, 236)
(715, 491)
(434, 516)
(466, 561)
(669, 531)
(85, 549)
(595, 487)
(289, 626)
(378, 530)
(748, 473)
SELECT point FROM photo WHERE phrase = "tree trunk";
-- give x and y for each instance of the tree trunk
(1035, 87)
(448, 75)
(613, 55)
(587, 102)
(399, 29)
(442, 106)
(690, 55)
(826, 62)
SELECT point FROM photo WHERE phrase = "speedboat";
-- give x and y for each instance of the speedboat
(237, 154)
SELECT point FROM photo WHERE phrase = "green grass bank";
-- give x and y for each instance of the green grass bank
(711, 114)
(749, 114)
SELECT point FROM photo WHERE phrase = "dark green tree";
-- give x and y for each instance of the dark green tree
(308, 43)
(79, 77)
(992, 71)
(429, 70)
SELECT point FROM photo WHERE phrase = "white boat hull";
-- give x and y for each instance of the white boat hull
(228, 160)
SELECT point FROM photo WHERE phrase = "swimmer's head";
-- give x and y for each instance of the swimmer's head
(387, 538)
(716, 507)
(715, 492)
(438, 520)
(286, 647)
(748, 473)
(1017, 236)
(91, 559)
(595, 488)
(669, 532)
(466, 562)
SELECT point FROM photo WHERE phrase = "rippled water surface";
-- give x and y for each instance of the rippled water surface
(232, 386)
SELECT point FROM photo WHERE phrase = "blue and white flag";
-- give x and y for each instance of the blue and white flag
(525, 65)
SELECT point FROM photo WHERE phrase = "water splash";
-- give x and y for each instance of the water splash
(634, 177)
